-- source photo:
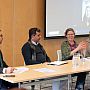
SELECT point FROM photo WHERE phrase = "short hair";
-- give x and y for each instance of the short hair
(32, 31)
(69, 29)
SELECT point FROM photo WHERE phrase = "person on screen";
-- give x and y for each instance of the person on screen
(68, 48)
(32, 51)
(86, 17)
(4, 85)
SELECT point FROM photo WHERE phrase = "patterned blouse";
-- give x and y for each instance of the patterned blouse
(66, 49)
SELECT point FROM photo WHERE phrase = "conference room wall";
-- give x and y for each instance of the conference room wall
(16, 17)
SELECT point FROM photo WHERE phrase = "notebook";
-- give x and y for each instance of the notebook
(57, 63)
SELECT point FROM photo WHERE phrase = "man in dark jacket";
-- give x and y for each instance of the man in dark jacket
(4, 85)
(32, 51)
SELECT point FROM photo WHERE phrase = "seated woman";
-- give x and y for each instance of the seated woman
(68, 48)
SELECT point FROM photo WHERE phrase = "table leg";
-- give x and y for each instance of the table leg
(69, 82)
(19, 85)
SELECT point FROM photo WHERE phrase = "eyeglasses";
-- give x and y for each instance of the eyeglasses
(70, 34)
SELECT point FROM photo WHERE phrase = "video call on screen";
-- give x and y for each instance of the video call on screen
(63, 14)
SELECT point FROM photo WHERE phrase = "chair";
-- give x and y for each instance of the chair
(59, 58)
(59, 55)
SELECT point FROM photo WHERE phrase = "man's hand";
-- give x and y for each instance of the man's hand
(9, 70)
(46, 63)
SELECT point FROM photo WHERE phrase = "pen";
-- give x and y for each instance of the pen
(8, 75)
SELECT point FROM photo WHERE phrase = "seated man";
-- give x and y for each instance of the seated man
(32, 51)
(4, 85)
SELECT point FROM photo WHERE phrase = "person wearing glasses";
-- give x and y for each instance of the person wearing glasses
(68, 48)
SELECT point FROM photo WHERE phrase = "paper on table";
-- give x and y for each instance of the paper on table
(57, 63)
(45, 70)
(20, 70)
(88, 58)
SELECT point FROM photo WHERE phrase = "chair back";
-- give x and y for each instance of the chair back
(59, 55)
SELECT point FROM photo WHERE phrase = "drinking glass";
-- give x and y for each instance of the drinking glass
(83, 56)
(76, 60)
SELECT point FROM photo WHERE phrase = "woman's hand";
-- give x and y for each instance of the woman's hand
(82, 45)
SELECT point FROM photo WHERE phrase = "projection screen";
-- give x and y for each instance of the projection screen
(63, 14)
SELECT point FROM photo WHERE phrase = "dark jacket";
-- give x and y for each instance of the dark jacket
(34, 54)
(2, 63)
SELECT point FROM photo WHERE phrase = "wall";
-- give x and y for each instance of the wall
(16, 17)
(6, 25)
